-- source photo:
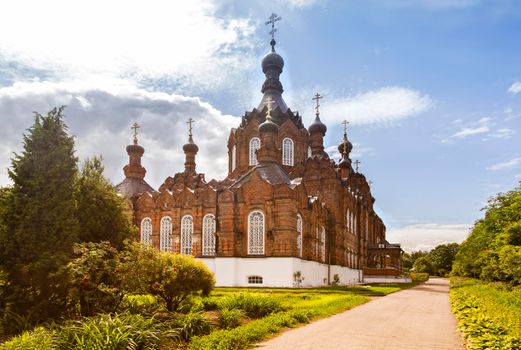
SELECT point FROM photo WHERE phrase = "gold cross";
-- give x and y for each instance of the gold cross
(190, 122)
(134, 127)
(317, 98)
(357, 164)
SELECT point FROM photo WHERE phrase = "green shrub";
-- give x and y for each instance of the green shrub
(419, 276)
(254, 306)
(172, 277)
(92, 278)
(192, 324)
(144, 304)
(38, 339)
(489, 315)
(229, 319)
(123, 331)
(209, 303)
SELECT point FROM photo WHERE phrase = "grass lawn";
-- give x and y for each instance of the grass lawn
(230, 318)
(489, 314)
(300, 305)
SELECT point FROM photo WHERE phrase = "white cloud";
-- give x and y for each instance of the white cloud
(515, 88)
(137, 39)
(471, 131)
(503, 133)
(435, 4)
(100, 117)
(300, 3)
(427, 236)
(384, 105)
(357, 152)
(509, 164)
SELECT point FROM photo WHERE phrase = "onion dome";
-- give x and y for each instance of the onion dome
(190, 147)
(345, 147)
(135, 148)
(268, 125)
(272, 61)
(317, 126)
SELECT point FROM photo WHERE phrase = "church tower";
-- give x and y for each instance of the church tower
(134, 183)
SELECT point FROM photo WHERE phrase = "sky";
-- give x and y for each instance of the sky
(431, 88)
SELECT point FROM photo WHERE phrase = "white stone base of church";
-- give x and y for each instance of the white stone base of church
(276, 272)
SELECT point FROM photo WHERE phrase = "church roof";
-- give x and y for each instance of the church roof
(270, 172)
(132, 187)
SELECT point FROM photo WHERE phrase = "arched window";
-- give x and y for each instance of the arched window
(165, 234)
(254, 146)
(187, 229)
(299, 235)
(256, 233)
(287, 151)
(146, 231)
(310, 153)
(234, 157)
(209, 234)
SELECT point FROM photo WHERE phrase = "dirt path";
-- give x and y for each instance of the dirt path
(416, 318)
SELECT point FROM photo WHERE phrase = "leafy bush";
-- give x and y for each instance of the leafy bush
(419, 276)
(92, 278)
(229, 319)
(489, 315)
(145, 304)
(172, 277)
(253, 305)
(123, 331)
(192, 324)
(38, 339)
(209, 303)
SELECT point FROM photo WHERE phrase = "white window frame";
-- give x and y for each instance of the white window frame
(288, 151)
(209, 235)
(165, 234)
(146, 231)
(258, 249)
(234, 157)
(322, 244)
(299, 235)
(255, 144)
(187, 231)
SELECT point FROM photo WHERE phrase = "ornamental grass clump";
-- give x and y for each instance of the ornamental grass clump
(229, 319)
(192, 324)
(254, 306)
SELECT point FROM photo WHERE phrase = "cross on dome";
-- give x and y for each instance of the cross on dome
(345, 122)
(190, 122)
(272, 19)
(317, 99)
(135, 127)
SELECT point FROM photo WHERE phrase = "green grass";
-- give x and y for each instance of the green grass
(489, 314)
(236, 318)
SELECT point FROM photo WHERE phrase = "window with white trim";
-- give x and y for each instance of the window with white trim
(299, 235)
(256, 233)
(254, 279)
(322, 244)
(234, 157)
(287, 152)
(187, 230)
(146, 231)
(254, 146)
(310, 153)
(209, 234)
(165, 234)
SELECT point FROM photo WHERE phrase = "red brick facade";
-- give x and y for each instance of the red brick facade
(294, 202)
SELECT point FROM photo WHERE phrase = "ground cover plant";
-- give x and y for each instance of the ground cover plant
(489, 314)
(230, 318)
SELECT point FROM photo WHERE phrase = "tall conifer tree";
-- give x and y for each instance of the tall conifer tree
(41, 223)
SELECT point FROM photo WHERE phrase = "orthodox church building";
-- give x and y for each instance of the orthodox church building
(286, 214)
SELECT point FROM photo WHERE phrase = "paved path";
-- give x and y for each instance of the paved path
(415, 318)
